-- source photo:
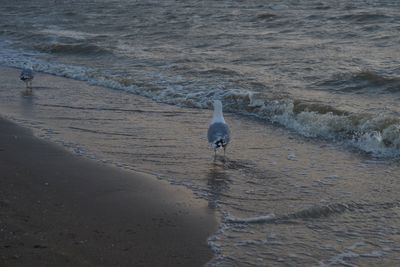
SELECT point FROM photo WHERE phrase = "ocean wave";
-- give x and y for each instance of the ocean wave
(363, 81)
(313, 212)
(77, 35)
(77, 49)
(219, 71)
(363, 17)
(256, 219)
(266, 16)
(375, 134)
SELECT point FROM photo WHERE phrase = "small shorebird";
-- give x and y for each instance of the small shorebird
(27, 76)
(218, 131)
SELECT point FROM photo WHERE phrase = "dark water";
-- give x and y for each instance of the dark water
(326, 70)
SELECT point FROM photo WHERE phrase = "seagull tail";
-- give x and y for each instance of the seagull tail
(219, 142)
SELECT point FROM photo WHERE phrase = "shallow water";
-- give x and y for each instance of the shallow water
(283, 200)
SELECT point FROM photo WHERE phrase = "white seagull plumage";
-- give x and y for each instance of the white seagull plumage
(218, 131)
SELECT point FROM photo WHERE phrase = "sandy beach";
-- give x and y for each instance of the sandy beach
(59, 209)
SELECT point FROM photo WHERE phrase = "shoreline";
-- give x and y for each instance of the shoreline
(59, 208)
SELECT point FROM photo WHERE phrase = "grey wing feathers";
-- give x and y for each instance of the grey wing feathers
(218, 134)
(26, 74)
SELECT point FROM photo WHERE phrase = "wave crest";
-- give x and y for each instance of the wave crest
(314, 212)
(78, 49)
(364, 17)
(364, 81)
(376, 134)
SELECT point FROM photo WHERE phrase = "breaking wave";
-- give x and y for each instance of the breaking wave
(364, 81)
(77, 48)
(314, 212)
(376, 134)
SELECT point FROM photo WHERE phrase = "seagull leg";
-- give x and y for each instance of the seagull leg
(27, 90)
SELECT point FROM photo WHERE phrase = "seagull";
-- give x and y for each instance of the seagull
(27, 76)
(218, 131)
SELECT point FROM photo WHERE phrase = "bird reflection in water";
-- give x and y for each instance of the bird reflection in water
(217, 183)
(27, 103)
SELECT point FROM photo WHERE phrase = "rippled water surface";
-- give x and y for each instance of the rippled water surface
(311, 89)
(325, 69)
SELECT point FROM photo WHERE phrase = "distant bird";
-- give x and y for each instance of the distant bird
(218, 131)
(27, 76)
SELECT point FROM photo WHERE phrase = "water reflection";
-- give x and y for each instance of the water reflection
(26, 103)
(27, 93)
(217, 183)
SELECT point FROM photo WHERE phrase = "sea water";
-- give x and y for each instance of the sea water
(310, 89)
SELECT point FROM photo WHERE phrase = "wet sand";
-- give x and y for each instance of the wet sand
(59, 209)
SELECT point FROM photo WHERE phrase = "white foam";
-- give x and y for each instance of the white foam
(373, 142)
(68, 33)
(292, 156)
(373, 254)
(256, 219)
(341, 259)
(378, 135)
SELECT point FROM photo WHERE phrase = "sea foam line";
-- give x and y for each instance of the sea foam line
(377, 134)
